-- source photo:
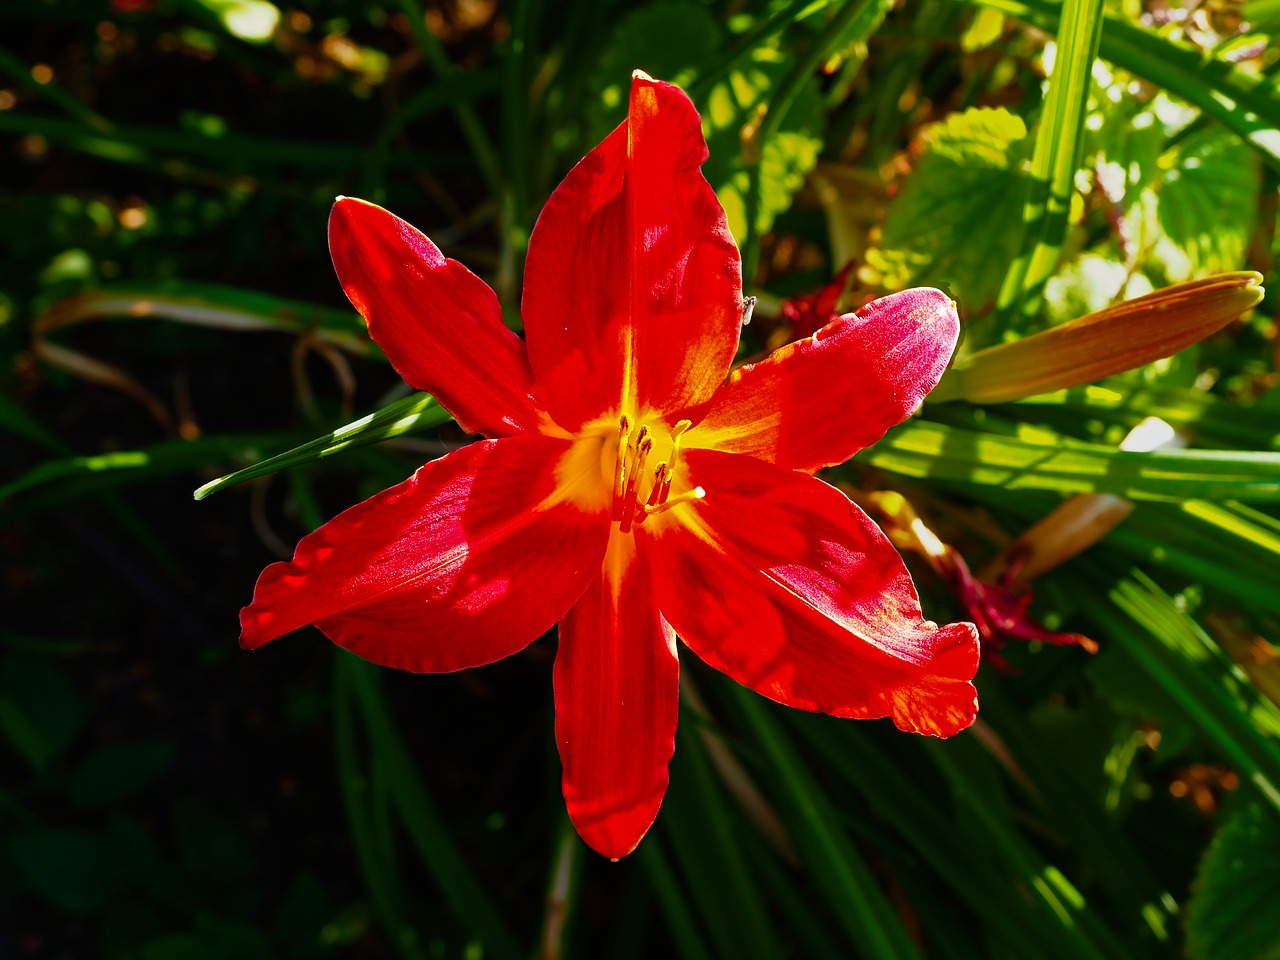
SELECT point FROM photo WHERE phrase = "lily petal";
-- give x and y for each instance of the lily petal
(617, 688)
(776, 579)
(787, 410)
(466, 562)
(633, 284)
(438, 323)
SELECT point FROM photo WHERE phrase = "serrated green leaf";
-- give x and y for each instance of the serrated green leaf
(785, 160)
(1040, 460)
(1232, 913)
(1204, 206)
(417, 412)
(957, 221)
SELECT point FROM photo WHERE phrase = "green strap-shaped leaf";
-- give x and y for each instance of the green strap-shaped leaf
(838, 866)
(1040, 460)
(1249, 105)
(1205, 416)
(1178, 656)
(417, 412)
(105, 469)
(1059, 144)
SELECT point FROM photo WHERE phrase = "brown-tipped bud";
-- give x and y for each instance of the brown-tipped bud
(1102, 344)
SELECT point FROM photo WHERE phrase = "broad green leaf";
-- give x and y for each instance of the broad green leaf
(1088, 284)
(669, 40)
(65, 866)
(1040, 460)
(1263, 15)
(119, 770)
(1232, 913)
(212, 846)
(40, 711)
(957, 221)
(417, 412)
(785, 160)
(1199, 213)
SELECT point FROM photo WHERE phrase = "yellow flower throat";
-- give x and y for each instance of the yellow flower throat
(638, 494)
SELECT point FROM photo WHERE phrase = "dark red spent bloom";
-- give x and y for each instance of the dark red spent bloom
(810, 312)
(999, 610)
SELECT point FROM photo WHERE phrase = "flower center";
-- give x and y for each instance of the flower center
(638, 491)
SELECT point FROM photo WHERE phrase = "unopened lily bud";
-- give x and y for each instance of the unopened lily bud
(1102, 344)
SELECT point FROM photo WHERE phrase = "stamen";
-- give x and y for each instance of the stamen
(620, 471)
(697, 493)
(655, 492)
(660, 478)
(644, 443)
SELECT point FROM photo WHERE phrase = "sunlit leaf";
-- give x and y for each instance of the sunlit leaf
(417, 412)
(1199, 213)
(1040, 460)
(957, 220)
(785, 160)
(1232, 914)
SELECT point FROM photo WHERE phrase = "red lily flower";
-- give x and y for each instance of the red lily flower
(626, 491)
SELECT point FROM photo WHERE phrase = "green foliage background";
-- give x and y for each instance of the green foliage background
(168, 315)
